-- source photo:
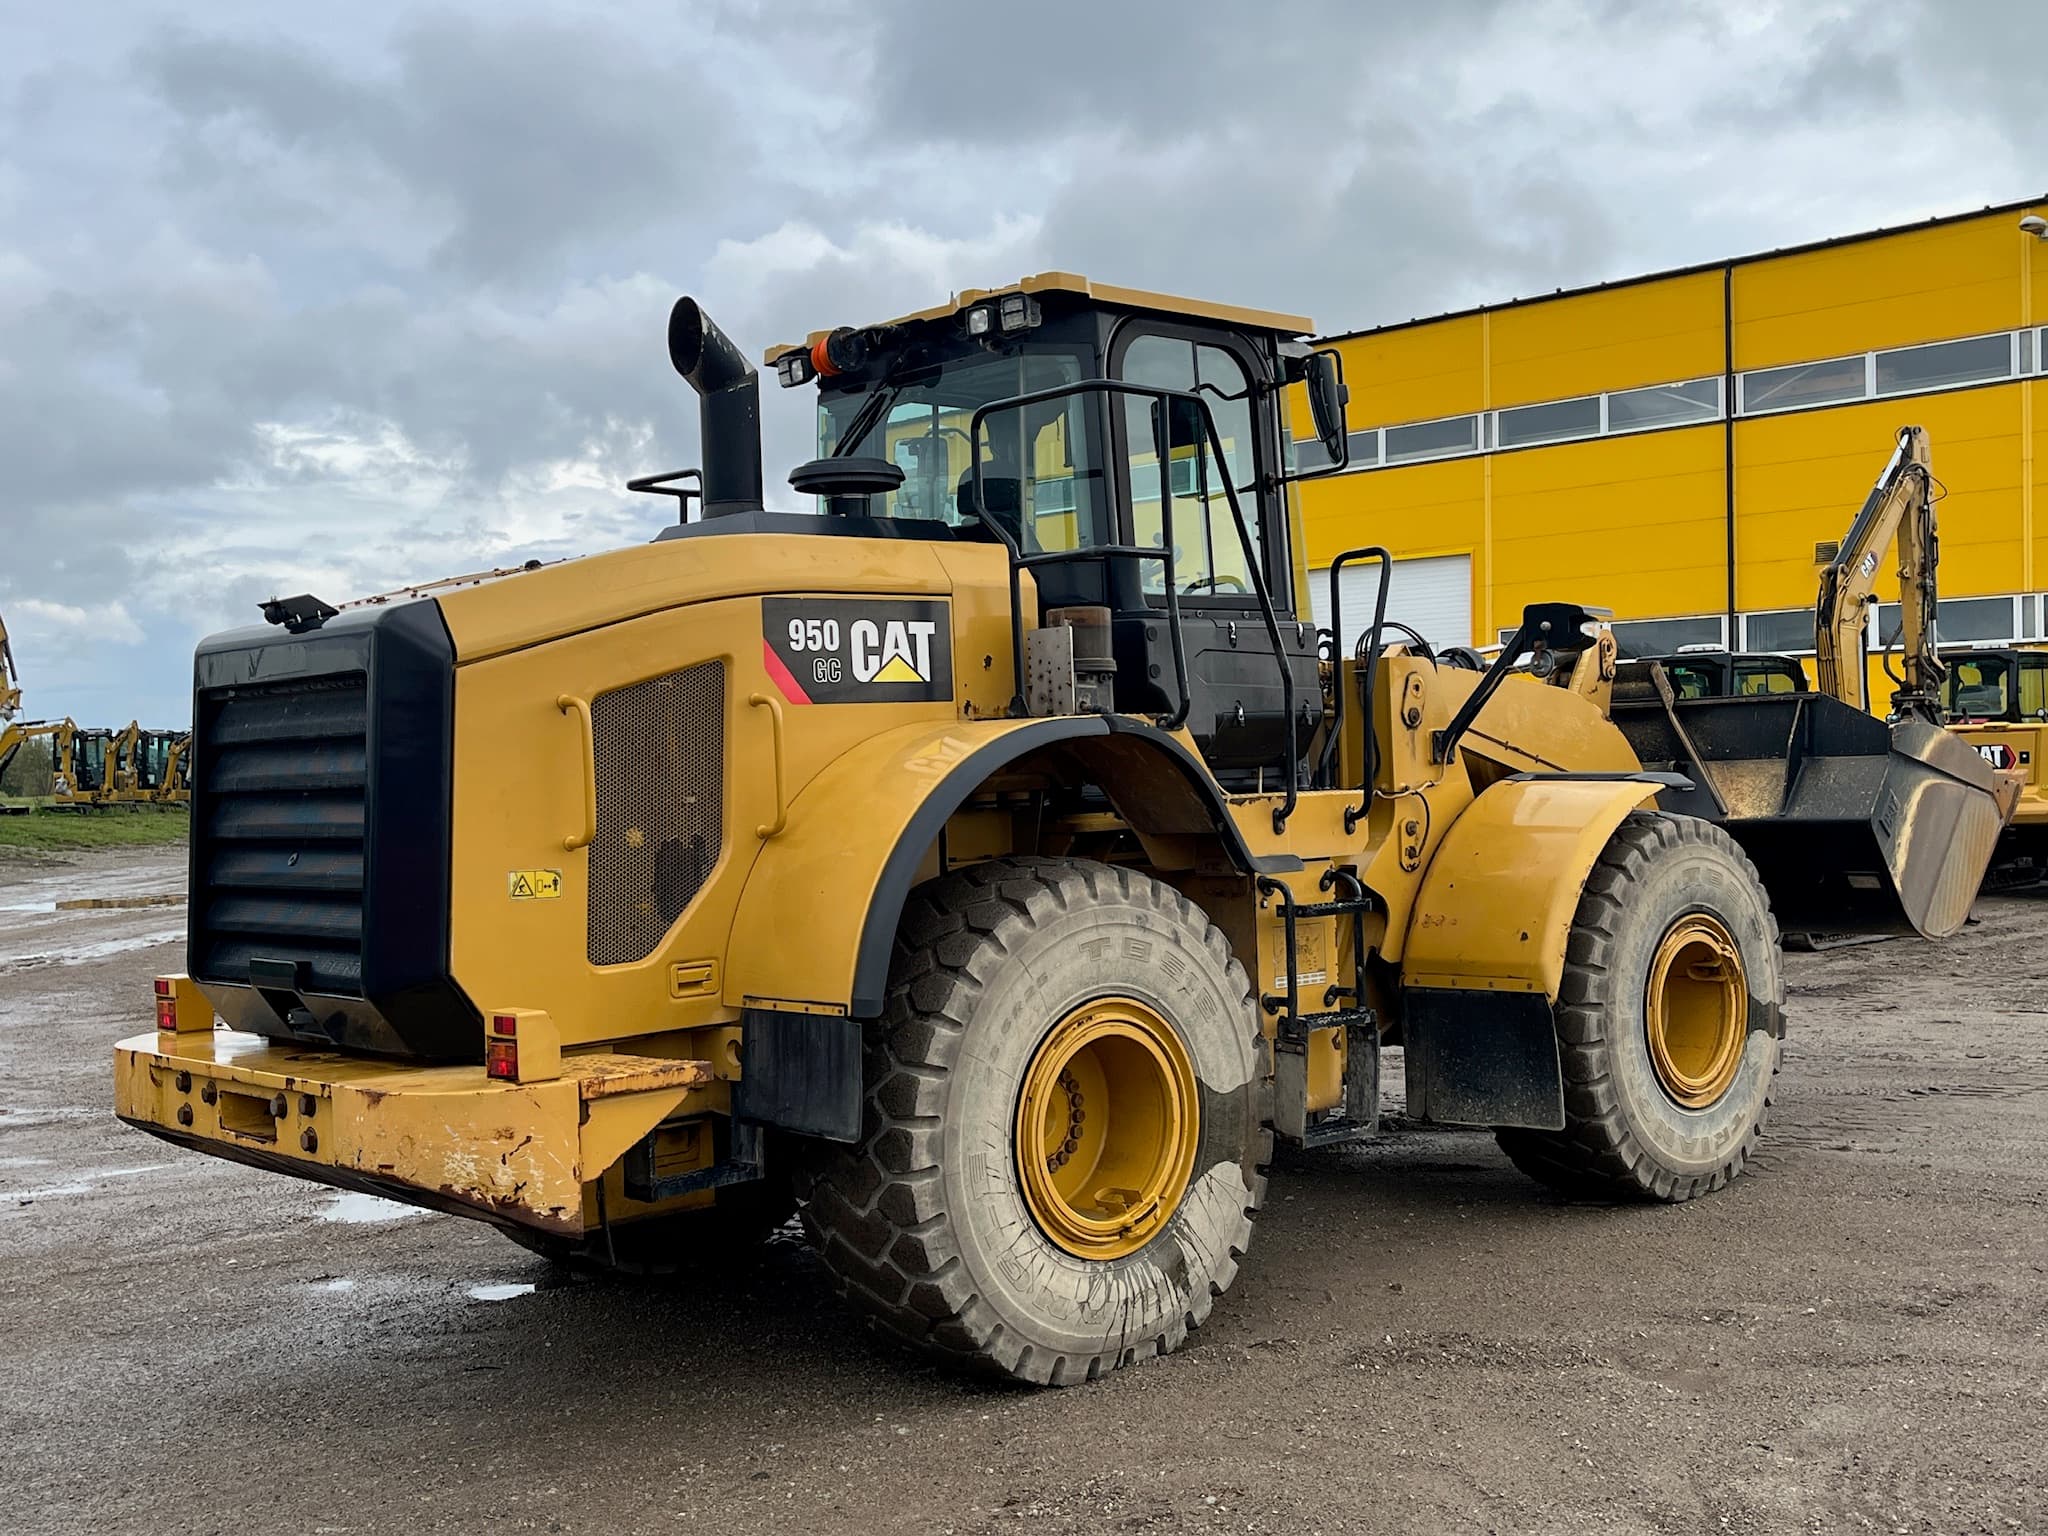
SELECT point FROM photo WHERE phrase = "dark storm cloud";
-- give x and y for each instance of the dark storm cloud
(524, 142)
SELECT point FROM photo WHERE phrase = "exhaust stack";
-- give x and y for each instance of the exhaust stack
(729, 409)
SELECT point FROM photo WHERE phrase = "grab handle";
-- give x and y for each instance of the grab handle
(774, 707)
(569, 704)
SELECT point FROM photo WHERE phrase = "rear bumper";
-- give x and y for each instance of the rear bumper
(449, 1138)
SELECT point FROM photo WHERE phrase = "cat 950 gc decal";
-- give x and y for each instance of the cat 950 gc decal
(854, 650)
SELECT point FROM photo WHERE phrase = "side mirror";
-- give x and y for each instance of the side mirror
(1327, 397)
(1321, 372)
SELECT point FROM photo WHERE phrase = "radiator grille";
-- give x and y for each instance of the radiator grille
(660, 749)
(280, 774)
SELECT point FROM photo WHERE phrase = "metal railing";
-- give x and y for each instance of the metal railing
(1163, 403)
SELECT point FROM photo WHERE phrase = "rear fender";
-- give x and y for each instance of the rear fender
(817, 919)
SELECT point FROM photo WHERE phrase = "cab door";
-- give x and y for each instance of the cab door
(1234, 683)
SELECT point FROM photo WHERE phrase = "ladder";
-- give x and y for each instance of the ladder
(1358, 1115)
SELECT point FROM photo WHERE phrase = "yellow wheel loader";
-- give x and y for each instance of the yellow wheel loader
(994, 861)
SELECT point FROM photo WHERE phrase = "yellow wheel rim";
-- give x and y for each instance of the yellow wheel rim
(1106, 1128)
(1697, 1010)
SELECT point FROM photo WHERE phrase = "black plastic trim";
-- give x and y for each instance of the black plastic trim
(409, 1002)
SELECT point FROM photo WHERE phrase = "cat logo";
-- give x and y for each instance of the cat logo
(852, 650)
(901, 652)
(1998, 754)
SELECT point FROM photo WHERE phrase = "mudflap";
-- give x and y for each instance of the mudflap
(1482, 1058)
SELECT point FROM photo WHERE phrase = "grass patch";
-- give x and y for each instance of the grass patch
(44, 830)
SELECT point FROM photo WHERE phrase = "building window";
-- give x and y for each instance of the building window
(2023, 359)
(1557, 422)
(1432, 439)
(1959, 621)
(1784, 389)
(1664, 405)
(1944, 363)
(1663, 637)
(1783, 630)
(1365, 451)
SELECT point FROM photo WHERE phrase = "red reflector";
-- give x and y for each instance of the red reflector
(505, 1024)
(501, 1059)
(166, 1013)
(163, 986)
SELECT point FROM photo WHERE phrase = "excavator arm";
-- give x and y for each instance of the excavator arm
(10, 679)
(1900, 506)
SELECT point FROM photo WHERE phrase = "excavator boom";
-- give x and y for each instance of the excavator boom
(1900, 506)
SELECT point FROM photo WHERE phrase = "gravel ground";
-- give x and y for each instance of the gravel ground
(1853, 1338)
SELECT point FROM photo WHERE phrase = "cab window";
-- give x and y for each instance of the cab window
(1208, 556)
(1976, 686)
(2034, 688)
(1771, 679)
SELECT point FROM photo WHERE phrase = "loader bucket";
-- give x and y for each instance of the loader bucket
(1856, 826)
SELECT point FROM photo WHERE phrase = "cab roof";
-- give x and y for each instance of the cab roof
(1100, 293)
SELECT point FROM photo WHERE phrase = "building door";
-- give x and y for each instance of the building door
(1432, 596)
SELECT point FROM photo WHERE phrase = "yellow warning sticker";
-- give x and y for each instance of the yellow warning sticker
(534, 884)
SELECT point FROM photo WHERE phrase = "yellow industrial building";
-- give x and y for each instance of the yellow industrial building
(1683, 447)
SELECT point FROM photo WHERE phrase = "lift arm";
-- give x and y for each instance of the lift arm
(1901, 506)
(10, 679)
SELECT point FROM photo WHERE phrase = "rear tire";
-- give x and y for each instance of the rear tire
(1669, 1019)
(1066, 1126)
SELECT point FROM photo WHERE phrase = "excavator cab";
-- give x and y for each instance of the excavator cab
(1985, 685)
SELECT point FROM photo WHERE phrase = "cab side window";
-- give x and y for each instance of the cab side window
(1208, 554)
(2034, 690)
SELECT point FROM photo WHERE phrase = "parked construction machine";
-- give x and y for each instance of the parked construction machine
(1829, 801)
(148, 767)
(985, 861)
(10, 679)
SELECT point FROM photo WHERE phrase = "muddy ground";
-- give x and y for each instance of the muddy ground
(1852, 1338)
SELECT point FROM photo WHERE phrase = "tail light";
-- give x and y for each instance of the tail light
(522, 1045)
(181, 1008)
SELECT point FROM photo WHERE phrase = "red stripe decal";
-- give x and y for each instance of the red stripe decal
(792, 690)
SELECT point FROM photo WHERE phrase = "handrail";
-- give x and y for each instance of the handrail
(773, 705)
(1018, 559)
(568, 703)
(1325, 768)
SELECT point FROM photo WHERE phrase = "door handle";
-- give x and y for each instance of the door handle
(774, 707)
(569, 704)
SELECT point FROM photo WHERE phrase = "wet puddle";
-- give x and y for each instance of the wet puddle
(79, 954)
(360, 1209)
(82, 1186)
(504, 1292)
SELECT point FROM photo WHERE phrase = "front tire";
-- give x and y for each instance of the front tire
(1669, 1019)
(1066, 1127)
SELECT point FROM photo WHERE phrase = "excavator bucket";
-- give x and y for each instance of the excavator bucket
(1856, 826)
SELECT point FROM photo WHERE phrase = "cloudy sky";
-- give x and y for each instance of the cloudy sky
(334, 298)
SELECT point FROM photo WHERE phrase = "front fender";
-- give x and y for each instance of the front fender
(1497, 901)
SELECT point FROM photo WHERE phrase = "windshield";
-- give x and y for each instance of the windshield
(1042, 476)
(1978, 688)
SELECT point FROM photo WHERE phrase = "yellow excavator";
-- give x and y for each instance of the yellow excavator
(10, 679)
(995, 861)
